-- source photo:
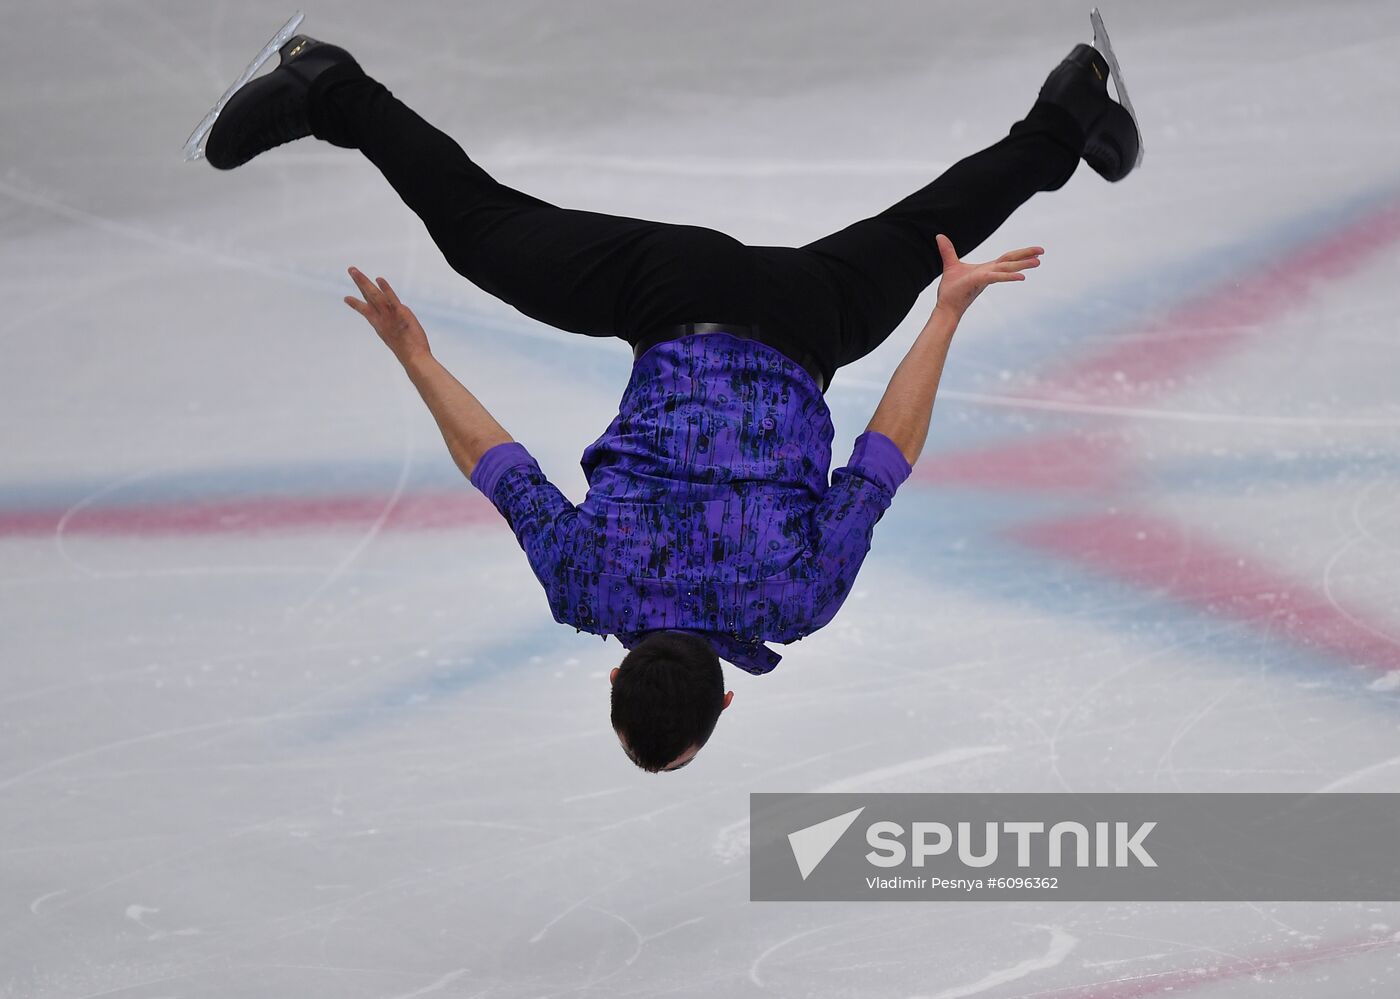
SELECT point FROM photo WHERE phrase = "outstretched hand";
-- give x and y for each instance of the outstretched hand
(395, 322)
(963, 282)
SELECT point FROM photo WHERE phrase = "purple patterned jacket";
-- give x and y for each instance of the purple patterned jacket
(708, 508)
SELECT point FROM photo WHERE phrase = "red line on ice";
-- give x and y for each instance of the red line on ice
(1043, 462)
(1136, 365)
(1188, 567)
(1193, 978)
(1151, 552)
(1139, 365)
(421, 511)
(1201, 330)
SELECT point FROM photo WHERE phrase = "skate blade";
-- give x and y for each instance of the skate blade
(1105, 47)
(194, 145)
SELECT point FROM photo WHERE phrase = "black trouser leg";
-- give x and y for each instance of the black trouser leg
(880, 265)
(602, 275)
(584, 272)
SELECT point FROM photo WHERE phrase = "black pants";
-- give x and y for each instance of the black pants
(835, 299)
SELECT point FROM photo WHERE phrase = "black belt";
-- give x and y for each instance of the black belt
(744, 331)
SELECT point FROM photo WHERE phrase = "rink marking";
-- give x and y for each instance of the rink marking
(431, 676)
(1205, 327)
(1150, 552)
(1139, 366)
(1135, 367)
(372, 530)
(1189, 567)
(410, 512)
(1048, 461)
(1004, 401)
(1185, 980)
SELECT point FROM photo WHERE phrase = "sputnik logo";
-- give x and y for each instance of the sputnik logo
(811, 844)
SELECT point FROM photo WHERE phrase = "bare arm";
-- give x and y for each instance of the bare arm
(469, 430)
(906, 408)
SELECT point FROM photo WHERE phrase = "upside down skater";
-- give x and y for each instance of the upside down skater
(709, 526)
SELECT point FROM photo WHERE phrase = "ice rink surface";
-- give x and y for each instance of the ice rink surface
(282, 709)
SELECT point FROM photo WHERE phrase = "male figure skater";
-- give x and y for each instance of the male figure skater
(709, 526)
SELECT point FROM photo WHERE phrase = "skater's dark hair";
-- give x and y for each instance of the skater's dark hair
(667, 697)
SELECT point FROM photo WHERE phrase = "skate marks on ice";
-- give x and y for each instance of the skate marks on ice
(1168, 966)
(1221, 968)
(1117, 381)
(1174, 963)
(732, 841)
(1059, 947)
(435, 986)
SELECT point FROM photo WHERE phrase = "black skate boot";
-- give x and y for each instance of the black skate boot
(271, 110)
(1079, 85)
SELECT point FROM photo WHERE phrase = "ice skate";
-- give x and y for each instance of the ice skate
(1079, 85)
(271, 110)
(194, 145)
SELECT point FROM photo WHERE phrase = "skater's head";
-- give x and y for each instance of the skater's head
(666, 697)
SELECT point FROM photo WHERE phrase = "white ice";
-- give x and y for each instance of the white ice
(282, 710)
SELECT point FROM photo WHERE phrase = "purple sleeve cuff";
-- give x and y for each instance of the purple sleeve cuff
(879, 459)
(496, 462)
